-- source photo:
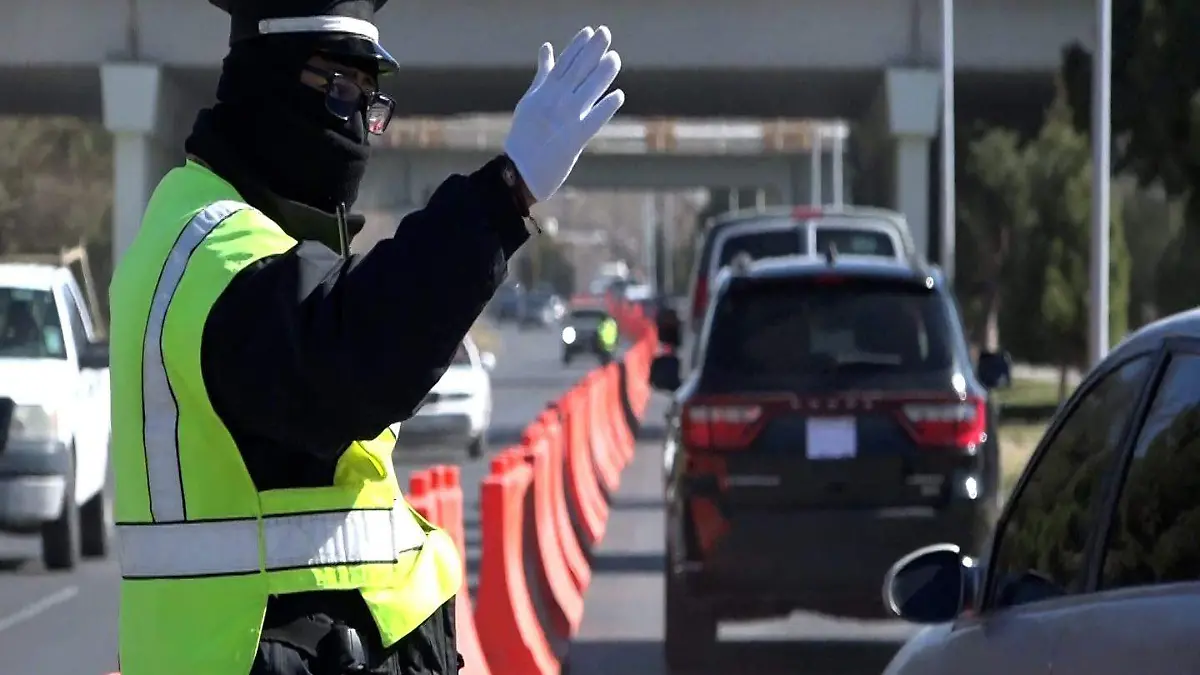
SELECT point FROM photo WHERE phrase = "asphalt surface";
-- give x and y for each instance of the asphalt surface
(65, 623)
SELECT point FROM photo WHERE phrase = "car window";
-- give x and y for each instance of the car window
(78, 328)
(1154, 537)
(769, 244)
(855, 242)
(29, 325)
(1041, 549)
(797, 330)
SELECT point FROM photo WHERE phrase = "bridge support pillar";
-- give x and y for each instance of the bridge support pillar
(913, 97)
(143, 112)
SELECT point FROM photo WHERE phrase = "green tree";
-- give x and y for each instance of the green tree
(1151, 222)
(1156, 119)
(1053, 281)
(994, 213)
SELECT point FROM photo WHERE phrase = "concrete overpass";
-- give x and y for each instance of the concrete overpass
(146, 66)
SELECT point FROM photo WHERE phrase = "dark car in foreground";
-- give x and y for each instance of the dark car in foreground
(1094, 566)
(831, 422)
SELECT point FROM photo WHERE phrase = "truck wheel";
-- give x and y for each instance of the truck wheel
(95, 525)
(690, 633)
(477, 446)
(61, 536)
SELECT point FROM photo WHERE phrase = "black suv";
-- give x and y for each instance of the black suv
(831, 423)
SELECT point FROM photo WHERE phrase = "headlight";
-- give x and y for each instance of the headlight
(568, 335)
(33, 423)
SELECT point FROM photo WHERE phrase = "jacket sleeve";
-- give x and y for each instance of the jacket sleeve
(310, 351)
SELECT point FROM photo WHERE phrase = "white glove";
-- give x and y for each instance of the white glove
(562, 110)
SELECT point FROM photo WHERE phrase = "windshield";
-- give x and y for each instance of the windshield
(29, 326)
(769, 244)
(855, 242)
(587, 319)
(461, 356)
(785, 330)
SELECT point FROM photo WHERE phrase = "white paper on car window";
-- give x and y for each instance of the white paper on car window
(831, 438)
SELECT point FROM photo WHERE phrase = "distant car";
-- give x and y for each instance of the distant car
(1094, 565)
(541, 309)
(459, 408)
(831, 422)
(852, 231)
(580, 335)
(507, 303)
(55, 413)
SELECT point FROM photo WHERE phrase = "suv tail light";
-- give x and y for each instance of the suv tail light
(957, 424)
(725, 425)
(699, 301)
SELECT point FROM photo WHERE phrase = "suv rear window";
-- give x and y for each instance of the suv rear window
(797, 328)
(768, 244)
(855, 242)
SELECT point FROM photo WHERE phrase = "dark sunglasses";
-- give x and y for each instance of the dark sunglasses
(344, 97)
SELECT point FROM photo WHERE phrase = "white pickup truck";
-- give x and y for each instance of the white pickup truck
(54, 415)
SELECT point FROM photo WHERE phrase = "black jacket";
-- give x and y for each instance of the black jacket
(307, 351)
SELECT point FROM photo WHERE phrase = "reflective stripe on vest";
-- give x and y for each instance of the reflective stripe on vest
(160, 409)
(295, 541)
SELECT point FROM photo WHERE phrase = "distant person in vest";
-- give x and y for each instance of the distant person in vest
(257, 364)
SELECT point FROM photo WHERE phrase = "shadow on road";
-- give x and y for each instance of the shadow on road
(628, 563)
(758, 657)
(620, 504)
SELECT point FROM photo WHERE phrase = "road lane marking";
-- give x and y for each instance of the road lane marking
(33, 609)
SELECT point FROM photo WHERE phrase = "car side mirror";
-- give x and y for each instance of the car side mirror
(930, 585)
(93, 355)
(488, 360)
(664, 373)
(995, 369)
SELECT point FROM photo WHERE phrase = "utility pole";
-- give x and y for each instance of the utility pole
(1101, 182)
(949, 197)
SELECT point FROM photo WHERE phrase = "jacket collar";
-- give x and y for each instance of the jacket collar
(298, 221)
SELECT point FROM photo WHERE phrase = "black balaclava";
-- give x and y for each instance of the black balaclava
(279, 129)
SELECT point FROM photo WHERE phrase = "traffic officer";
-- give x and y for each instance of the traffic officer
(607, 335)
(256, 364)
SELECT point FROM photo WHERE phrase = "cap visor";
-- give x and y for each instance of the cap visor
(359, 49)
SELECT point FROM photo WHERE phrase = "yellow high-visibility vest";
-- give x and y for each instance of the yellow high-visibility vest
(201, 549)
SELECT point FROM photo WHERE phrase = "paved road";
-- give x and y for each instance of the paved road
(622, 624)
(65, 624)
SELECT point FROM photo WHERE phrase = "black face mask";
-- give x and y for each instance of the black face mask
(280, 129)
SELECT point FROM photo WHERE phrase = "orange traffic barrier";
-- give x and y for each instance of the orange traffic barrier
(568, 541)
(618, 404)
(449, 499)
(607, 463)
(420, 494)
(561, 600)
(450, 505)
(613, 407)
(513, 640)
(583, 492)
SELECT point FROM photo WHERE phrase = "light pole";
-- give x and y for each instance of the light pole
(839, 166)
(816, 196)
(1101, 168)
(949, 199)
